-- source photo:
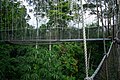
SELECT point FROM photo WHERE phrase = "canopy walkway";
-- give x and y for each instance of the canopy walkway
(52, 25)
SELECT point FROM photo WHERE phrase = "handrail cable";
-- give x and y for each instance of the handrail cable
(103, 59)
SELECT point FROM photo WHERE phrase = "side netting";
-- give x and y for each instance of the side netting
(108, 67)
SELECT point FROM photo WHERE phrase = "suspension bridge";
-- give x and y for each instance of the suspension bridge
(58, 27)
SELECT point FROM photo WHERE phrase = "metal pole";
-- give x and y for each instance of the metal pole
(50, 40)
(37, 34)
(36, 46)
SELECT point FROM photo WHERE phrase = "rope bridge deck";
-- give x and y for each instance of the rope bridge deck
(58, 40)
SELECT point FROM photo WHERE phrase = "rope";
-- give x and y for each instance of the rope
(102, 61)
(84, 40)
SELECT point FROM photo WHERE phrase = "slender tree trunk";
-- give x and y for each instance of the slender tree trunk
(118, 27)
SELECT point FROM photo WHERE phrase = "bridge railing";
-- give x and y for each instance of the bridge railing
(44, 33)
(108, 67)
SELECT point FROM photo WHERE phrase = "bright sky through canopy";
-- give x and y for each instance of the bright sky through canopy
(88, 19)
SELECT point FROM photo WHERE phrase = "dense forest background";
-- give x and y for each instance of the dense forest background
(64, 62)
(24, 62)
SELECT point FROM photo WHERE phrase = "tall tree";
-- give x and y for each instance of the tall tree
(12, 18)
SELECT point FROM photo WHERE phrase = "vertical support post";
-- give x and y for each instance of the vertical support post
(50, 47)
(37, 34)
(36, 46)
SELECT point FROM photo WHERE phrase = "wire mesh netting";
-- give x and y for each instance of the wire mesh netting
(108, 68)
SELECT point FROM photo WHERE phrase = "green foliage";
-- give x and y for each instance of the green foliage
(11, 14)
(12, 18)
(61, 10)
(65, 61)
(47, 65)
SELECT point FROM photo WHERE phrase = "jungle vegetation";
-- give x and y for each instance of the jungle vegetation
(22, 62)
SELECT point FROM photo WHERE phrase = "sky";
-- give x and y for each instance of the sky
(88, 19)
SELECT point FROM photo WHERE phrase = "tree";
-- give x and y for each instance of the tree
(12, 19)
